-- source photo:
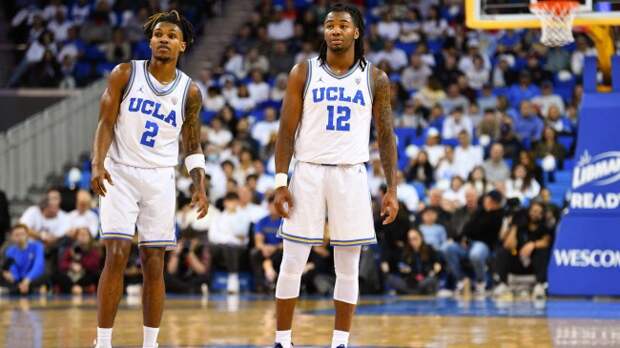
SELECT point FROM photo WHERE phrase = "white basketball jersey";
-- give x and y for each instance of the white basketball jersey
(336, 116)
(146, 134)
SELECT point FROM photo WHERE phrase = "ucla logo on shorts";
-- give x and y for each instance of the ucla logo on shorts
(337, 94)
(151, 108)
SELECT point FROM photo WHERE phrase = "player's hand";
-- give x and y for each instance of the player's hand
(199, 199)
(389, 206)
(96, 182)
(283, 201)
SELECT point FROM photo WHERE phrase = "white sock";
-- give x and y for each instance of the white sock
(284, 338)
(340, 337)
(104, 338)
(150, 337)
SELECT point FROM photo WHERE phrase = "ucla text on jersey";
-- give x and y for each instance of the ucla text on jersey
(151, 108)
(337, 94)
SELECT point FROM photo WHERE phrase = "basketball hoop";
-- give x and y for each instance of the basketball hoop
(556, 18)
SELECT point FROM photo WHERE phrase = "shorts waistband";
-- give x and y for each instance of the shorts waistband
(333, 165)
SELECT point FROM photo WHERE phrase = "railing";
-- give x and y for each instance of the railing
(42, 144)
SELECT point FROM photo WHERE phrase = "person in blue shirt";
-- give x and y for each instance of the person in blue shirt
(23, 268)
(524, 90)
(267, 253)
(528, 125)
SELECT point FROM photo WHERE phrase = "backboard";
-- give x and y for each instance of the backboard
(514, 14)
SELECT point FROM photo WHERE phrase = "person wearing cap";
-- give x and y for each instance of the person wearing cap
(456, 123)
(433, 146)
(479, 236)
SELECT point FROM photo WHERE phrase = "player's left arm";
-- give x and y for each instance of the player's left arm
(382, 114)
(190, 133)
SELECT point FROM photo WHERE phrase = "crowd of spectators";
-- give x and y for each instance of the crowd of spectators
(68, 44)
(478, 117)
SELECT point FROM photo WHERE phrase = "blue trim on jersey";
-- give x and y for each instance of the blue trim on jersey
(131, 79)
(302, 240)
(157, 91)
(308, 78)
(369, 82)
(354, 242)
(116, 235)
(189, 82)
(334, 75)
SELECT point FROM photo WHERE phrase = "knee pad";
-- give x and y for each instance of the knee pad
(294, 258)
(346, 261)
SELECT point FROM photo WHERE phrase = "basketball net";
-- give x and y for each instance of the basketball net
(556, 18)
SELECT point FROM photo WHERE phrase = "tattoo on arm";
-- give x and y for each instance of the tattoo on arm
(191, 131)
(382, 110)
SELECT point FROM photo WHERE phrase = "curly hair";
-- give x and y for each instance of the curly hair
(173, 17)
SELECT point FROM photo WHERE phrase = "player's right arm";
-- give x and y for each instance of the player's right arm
(292, 106)
(109, 105)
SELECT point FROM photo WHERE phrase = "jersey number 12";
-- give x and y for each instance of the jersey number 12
(148, 137)
(342, 120)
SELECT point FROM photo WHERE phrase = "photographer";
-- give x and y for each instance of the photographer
(24, 263)
(186, 271)
(525, 249)
(79, 265)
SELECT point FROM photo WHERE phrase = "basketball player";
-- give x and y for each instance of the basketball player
(326, 115)
(146, 106)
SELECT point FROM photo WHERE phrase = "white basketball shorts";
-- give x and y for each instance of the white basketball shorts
(142, 198)
(340, 194)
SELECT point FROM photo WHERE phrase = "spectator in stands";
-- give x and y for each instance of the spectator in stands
(415, 76)
(59, 26)
(34, 55)
(118, 50)
(258, 88)
(525, 90)
(533, 66)
(280, 28)
(98, 27)
(434, 26)
(548, 99)
(466, 156)
(527, 159)
(417, 269)
(213, 100)
(478, 180)
(558, 122)
(217, 134)
(79, 265)
(522, 184)
(477, 75)
(454, 196)
(83, 216)
(582, 51)
(446, 168)
(495, 167)
(186, 267)
(489, 126)
(234, 63)
(228, 238)
(463, 214)
(455, 123)
(388, 28)
(434, 234)
(319, 276)
(525, 250)
(280, 59)
(528, 125)
(433, 147)
(454, 99)
(487, 100)
(279, 89)
(435, 201)
(52, 8)
(242, 101)
(267, 253)
(432, 94)
(264, 129)
(254, 60)
(229, 90)
(449, 71)
(80, 11)
(549, 146)
(479, 236)
(394, 56)
(407, 193)
(252, 211)
(503, 74)
(23, 269)
(46, 222)
(421, 170)
(45, 73)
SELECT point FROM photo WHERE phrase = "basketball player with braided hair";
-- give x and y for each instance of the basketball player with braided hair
(147, 106)
(328, 107)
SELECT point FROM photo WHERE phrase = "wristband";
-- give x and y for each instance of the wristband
(281, 180)
(196, 160)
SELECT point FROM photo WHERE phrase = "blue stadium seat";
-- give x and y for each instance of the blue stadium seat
(206, 116)
(450, 141)
(566, 141)
(408, 47)
(420, 189)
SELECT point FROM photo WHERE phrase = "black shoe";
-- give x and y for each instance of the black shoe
(341, 346)
(278, 345)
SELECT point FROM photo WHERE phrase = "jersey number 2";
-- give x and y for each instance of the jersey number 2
(148, 137)
(342, 121)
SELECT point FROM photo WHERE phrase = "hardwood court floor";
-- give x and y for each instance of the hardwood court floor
(382, 321)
